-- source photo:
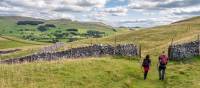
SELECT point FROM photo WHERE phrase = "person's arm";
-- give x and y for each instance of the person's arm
(142, 63)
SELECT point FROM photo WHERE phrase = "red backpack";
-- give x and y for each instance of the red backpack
(163, 59)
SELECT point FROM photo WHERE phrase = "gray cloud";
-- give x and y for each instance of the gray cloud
(179, 3)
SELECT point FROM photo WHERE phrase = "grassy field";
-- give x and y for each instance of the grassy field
(113, 72)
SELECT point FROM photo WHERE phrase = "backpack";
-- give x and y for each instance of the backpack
(145, 63)
(163, 59)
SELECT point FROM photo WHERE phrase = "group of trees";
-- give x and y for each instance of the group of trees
(70, 35)
(95, 34)
(45, 27)
(52, 33)
(29, 22)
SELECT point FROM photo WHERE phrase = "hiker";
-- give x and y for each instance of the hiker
(162, 62)
(146, 65)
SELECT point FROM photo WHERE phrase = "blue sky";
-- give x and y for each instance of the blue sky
(130, 13)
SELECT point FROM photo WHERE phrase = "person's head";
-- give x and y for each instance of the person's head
(147, 57)
(163, 52)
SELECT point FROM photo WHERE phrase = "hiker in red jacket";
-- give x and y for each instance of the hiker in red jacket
(146, 65)
(162, 62)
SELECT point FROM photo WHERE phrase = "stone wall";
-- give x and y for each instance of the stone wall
(9, 51)
(185, 50)
(95, 50)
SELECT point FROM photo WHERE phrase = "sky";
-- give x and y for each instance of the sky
(129, 13)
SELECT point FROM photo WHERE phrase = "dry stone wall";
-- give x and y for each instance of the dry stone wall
(186, 50)
(9, 51)
(95, 50)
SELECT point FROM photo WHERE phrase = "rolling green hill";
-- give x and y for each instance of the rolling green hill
(113, 72)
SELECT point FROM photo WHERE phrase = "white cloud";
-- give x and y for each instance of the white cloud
(118, 11)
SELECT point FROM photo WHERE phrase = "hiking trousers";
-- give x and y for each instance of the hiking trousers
(146, 70)
(162, 72)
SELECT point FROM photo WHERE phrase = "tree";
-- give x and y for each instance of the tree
(50, 25)
(29, 22)
(72, 29)
(42, 28)
(58, 34)
(96, 34)
(54, 40)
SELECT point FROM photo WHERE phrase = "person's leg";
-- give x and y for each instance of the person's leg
(146, 69)
(160, 72)
(163, 73)
(145, 75)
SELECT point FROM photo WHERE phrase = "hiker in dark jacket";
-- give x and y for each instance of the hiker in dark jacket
(162, 62)
(146, 65)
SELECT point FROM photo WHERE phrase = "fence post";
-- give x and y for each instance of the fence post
(115, 44)
(91, 42)
(199, 44)
(170, 49)
(140, 51)
(169, 52)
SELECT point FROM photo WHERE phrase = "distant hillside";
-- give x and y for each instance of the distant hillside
(17, 18)
(190, 20)
(156, 37)
(51, 30)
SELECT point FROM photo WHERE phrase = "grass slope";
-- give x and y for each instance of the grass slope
(12, 42)
(91, 73)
